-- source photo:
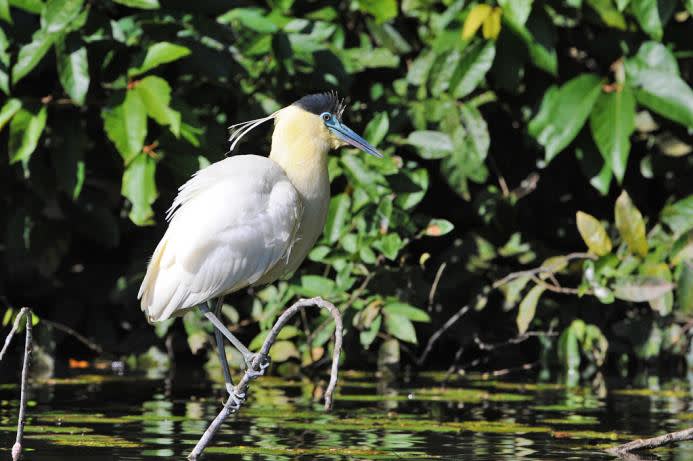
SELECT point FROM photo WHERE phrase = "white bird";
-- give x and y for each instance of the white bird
(248, 220)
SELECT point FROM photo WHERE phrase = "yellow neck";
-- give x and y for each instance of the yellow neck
(300, 144)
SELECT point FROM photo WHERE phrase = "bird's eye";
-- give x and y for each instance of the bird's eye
(326, 116)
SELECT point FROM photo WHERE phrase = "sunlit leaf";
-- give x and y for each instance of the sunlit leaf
(400, 327)
(5, 11)
(563, 113)
(438, 227)
(57, 14)
(640, 289)
(412, 313)
(377, 128)
(472, 67)
(8, 110)
(492, 24)
(593, 234)
(281, 351)
(141, 4)
(647, 14)
(30, 6)
(662, 304)
(73, 69)
(630, 224)
(158, 54)
(126, 125)
(31, 54)
(528, 308)
(382, 10)
(679, 215)
(684, 288)
(606, 10)
(155, 93)
(475, 19)
(431, 144)
(337, 215)
(25, 131)
(612, 121)
(569, 347)
(139, 187)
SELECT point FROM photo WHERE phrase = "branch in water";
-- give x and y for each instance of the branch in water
(24, 312)
(242, 387)
(654, 442)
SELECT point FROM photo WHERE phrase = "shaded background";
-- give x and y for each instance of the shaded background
(499, 121)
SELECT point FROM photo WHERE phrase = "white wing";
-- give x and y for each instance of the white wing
(229, 225)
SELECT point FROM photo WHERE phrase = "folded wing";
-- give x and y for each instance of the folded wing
(229, 225)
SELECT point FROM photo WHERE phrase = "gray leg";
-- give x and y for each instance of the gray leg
(220, 348)
(248, 356)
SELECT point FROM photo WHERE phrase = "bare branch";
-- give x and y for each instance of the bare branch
(78, 336)
(242, 386)
(24, 312)
(654, 442)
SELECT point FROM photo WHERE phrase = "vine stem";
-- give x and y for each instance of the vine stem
(242, 386)
(24, 312)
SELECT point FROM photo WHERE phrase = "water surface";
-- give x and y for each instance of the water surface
(107, 416)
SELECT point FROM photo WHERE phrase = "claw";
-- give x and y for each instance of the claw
(236, 401)
(263, 364)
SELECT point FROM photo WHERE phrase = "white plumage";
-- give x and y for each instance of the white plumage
(248, 220)
(229, 225)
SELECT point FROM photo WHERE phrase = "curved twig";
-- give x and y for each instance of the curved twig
(242, 386)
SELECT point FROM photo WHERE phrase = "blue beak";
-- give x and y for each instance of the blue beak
(346, 134)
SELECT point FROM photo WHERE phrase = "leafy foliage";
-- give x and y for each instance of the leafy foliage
(503, 126)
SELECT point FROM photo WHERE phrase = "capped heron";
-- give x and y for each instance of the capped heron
(247, 220)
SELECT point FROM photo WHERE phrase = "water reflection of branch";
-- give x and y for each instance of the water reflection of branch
(623, 451)
(24, 312)
(242, 387)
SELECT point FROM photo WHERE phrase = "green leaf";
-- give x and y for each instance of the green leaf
(647, 14)
(543, 55)
(612, 121)
(251, 18)
(315, 285)
(25, 131)
(57, 14)
(609, 13)
(31, 6)
(438, 227)
(288, 332)
(528, 308)
(630, 224)
(73, 69)
(477, 15)
(412, 313)
(684, 288)
(382, 10)
(389, 245)
(563, 113)
(593, 234)
(158, 54)
(400, 327)
(337, 216)
(141, 4)
(518, 10)
(638, 288)
(126, 125)
(5, 11)
(156, 96)
(377, 128)
(31, 54)
(366, 337)
(569, 347)
(679, 215)
(139, 187)
(472, 68)
(512, 290)
(664, 303)
(653, 74)
(418, 185)
(431, 144)
(281, 351)
(4, 63)
(8, 110)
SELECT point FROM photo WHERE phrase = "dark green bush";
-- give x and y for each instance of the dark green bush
(499, 122)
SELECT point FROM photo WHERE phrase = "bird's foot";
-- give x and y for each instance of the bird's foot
(263, 363)
(236, 401)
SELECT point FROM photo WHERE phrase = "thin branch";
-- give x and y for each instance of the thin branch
(242, 387)
(539, 270)
(654, 442)
(434, 286)
(24, 312)
(512, 341)
(78, 336)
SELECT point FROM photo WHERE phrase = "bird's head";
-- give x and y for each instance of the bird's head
(314, 120)
(322, 112)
